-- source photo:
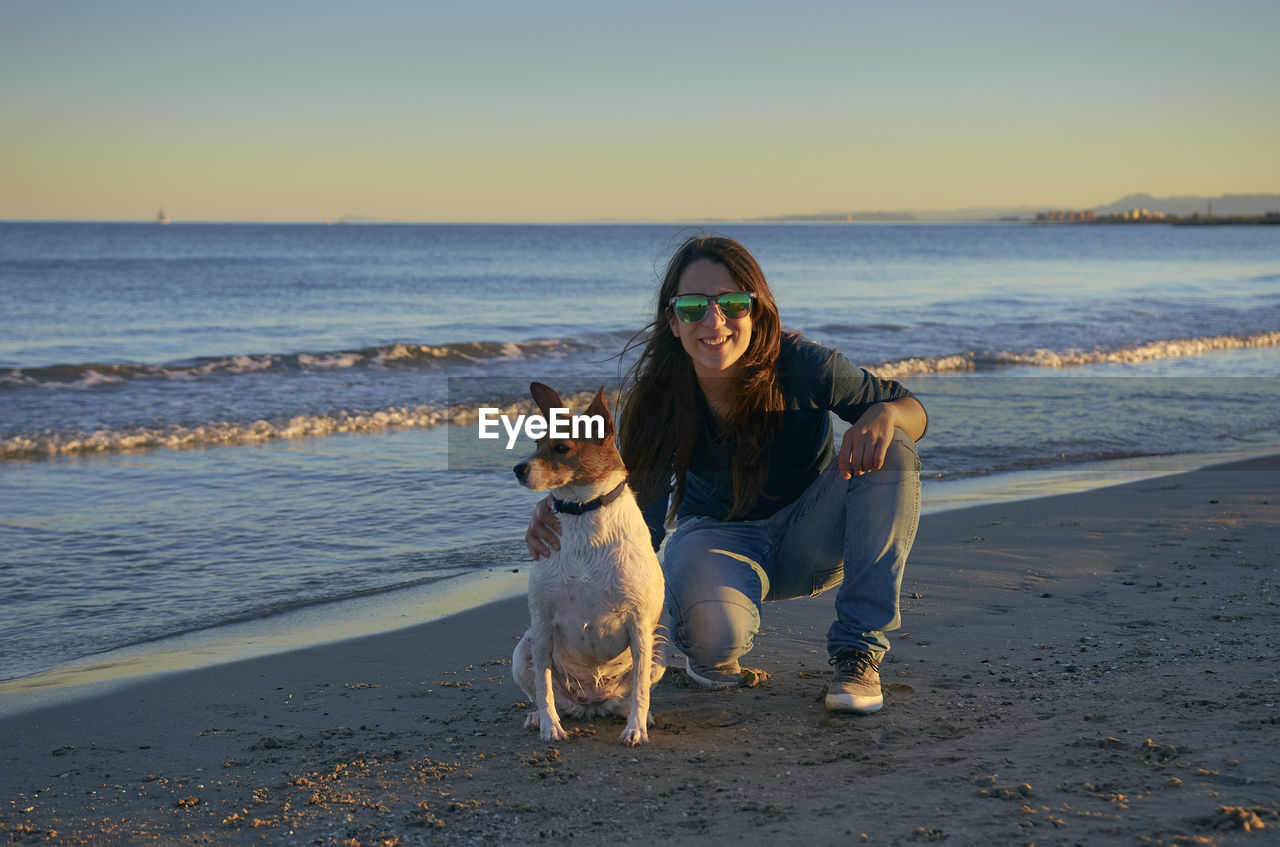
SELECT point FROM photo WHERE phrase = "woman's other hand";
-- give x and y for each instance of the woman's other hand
(543, 535)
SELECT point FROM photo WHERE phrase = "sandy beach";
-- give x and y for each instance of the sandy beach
(1092, 668)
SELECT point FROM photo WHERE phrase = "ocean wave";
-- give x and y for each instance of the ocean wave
(47, 445)
(218, 433)
(52, 443)
(92, 375)
(1056, 359)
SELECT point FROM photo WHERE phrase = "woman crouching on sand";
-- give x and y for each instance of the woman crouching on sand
(725, 427)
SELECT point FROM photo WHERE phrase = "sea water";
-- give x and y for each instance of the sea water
(204, 426)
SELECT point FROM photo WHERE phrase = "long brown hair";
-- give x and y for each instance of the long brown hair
(658, 423)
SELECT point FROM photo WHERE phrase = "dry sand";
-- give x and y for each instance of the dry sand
(1095, 668)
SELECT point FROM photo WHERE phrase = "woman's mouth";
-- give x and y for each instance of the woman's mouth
(714, 342)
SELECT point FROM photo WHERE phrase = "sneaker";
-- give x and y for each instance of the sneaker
(855, 684)
(722, 676)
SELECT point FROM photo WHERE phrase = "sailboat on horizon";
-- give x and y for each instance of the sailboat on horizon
(162, 218)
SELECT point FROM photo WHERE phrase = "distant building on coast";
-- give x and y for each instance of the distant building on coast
(1130, 216)
(1066, 217)
(1139, 215)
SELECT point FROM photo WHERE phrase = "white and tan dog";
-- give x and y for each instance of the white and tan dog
(595, 604)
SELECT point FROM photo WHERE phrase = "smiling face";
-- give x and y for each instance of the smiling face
(714, 344)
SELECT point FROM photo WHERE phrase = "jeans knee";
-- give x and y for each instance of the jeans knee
(715, 632)
(901, 455)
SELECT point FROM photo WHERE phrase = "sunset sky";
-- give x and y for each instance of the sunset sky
(655, 110)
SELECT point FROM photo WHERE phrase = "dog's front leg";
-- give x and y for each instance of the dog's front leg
(641, 638)
(549, 727)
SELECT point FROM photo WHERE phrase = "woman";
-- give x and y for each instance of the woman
(726, 428)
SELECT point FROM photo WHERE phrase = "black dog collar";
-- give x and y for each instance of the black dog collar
(565, 507)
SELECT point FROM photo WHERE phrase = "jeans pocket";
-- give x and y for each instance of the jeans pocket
(822, 580)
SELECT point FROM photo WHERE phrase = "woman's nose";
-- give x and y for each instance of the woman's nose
(714, 317)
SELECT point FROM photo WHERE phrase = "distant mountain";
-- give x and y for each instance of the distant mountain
(361, 219)
(909, 215)
(845, 217)
(1224, 206)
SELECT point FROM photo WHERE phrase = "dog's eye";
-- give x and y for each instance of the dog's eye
(562, 448)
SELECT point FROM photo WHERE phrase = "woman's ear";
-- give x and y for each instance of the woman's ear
(675, 327)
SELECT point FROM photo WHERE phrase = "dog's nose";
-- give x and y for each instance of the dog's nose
(522, 471)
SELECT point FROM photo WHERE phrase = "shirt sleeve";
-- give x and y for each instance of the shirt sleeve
(854, 389)
(655, 517)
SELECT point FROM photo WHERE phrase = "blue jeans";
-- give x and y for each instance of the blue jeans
(855, 534)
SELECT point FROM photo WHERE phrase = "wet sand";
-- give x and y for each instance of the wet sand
(1084, 669)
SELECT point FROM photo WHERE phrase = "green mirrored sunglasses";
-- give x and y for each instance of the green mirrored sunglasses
(691, 308)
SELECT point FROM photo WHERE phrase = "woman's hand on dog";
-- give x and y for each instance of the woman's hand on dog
(543, 535)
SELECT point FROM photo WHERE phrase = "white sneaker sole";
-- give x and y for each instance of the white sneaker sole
(850, 703)
(713, 684)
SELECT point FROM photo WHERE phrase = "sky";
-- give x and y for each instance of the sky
(418, 110)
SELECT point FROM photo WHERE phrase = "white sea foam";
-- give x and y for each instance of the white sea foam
(231, 364)
(393, 353)
(927, 365)
(89, 375)
(221, 433)
(91, 379)
(226, 433)
(329, 360)
(1151, 351)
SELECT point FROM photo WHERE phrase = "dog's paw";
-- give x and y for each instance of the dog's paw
(553, 732)
(634, 736)
(549, 729)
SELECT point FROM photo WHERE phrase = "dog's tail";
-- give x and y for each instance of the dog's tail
(661, 641)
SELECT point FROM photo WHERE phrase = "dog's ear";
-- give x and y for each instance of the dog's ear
(546, 398)
(599, 407)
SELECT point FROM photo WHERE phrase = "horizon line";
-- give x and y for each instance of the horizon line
(970, 214)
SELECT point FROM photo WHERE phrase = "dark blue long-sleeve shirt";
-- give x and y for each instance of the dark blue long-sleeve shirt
(814, 381)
